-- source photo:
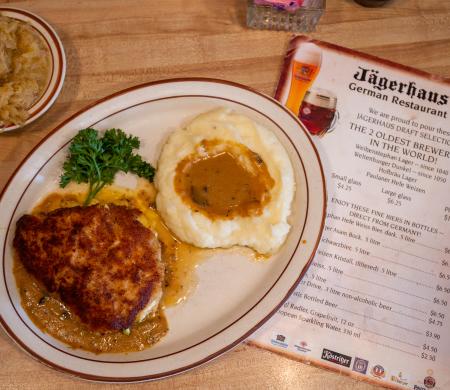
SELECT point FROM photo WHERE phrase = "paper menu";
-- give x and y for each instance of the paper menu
(376, 301)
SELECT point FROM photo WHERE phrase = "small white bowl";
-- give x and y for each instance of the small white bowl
(58, 66)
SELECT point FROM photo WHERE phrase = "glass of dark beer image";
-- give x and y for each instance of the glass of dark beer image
(318, 111)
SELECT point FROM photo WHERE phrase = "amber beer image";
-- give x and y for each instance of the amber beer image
(305, 67)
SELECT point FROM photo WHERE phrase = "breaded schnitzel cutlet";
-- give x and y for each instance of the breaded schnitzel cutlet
(105, 265)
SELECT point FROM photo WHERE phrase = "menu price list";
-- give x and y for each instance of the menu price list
(369, 288)
(375, 301)
(392, 296)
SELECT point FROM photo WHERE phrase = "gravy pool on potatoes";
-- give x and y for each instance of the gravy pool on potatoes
(219, 186)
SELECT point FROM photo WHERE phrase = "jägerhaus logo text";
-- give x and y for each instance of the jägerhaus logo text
(336, 357)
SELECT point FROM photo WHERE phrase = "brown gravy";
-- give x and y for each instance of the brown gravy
(50, 315)
(229, 181)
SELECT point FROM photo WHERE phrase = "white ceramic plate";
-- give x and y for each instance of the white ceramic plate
(58, 62)
(235, 295)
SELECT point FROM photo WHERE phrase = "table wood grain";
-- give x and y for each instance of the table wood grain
(111, 45)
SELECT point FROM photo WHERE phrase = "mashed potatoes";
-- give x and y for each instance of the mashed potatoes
(24, 70)
(224, 180)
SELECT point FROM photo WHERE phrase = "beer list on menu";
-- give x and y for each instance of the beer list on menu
(375, 302)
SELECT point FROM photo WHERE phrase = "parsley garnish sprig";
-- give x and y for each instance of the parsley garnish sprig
(96, 161)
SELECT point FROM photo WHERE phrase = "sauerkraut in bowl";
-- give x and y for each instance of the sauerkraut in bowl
(25, 65)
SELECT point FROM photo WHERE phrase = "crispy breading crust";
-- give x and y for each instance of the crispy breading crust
(102, 261)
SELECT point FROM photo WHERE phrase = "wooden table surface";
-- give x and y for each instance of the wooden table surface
(111, 45)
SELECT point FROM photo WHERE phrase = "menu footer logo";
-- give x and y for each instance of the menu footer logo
(302, 346)
(279, 340)
(336, 357)
(360, 365)
(429, 382)
(378, 371)
(400, 379)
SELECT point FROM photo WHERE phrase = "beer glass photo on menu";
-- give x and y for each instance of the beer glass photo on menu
(305, 67)
(318, 111)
